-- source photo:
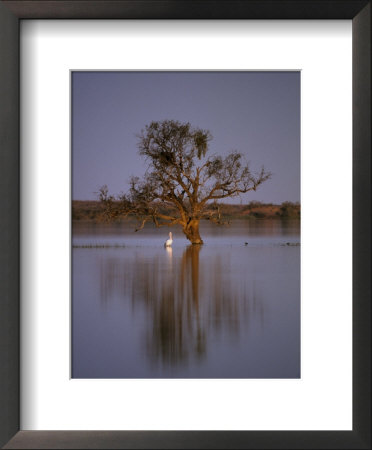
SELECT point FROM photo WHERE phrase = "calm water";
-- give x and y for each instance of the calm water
(227, 309)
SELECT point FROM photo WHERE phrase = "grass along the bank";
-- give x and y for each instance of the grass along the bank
(93, 211)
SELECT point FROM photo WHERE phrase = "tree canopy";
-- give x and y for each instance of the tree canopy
(182, 185)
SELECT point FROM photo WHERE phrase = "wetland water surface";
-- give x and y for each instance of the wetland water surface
(227, 309)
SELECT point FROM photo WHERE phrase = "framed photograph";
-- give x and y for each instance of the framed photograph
(172, 248)
(187, 225)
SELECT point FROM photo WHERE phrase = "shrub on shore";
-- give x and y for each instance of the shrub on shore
(93, 211)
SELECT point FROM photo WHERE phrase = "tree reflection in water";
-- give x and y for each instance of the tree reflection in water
(187, 300)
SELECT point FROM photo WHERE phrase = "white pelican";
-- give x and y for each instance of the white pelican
(169, 241)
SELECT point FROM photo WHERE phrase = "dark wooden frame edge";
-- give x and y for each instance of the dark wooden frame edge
(11, 12)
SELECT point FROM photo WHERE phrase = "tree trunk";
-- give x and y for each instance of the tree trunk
(191, 231)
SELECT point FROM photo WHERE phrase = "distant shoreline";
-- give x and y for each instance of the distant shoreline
(93, 211)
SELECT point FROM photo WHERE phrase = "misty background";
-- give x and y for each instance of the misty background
(255, 113)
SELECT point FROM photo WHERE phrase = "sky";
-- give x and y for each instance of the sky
(255, 113)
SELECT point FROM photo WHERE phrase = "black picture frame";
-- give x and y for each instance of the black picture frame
(11, 12)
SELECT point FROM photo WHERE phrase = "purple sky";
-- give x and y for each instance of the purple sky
(256, 113)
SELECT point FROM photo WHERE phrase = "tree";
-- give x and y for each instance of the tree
(182, 185)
